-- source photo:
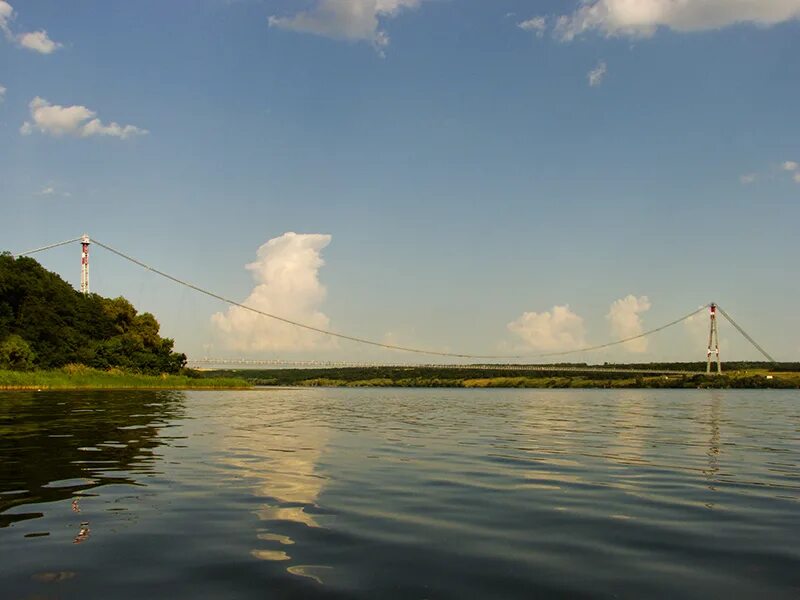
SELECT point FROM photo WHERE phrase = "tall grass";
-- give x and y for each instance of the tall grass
(76, 377)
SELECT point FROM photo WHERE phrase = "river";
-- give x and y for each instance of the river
(399, 493)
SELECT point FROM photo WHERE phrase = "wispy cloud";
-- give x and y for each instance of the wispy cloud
(642, 18)
(2, 93)
(538, 25)
(792, 167)
(550, 331)
(75, 121)
(286, 272)
(52, 191)
(6, 16)
(36, 41)
(596, 75)
(352, 20)
(787, 167)
(748, 178)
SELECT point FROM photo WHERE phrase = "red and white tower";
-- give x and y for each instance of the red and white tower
(85, 241)
(713, 340)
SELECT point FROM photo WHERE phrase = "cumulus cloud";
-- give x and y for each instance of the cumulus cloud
(596, 75)
(626, 321)
(352, 20)
(286, 273)
(76, 121)
(538, 25)
(37, 41)
(550, 331)
(642, 18)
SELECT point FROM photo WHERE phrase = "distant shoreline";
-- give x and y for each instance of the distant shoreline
(82, 378)
(564, 376)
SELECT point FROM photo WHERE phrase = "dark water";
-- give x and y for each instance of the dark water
(400, 493)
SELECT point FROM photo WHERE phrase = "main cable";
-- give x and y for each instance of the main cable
(626, 340)
(372, 342)
(744, 333)
(43, 248)
(296, 323)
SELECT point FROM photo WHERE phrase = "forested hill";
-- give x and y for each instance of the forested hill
(45, 323)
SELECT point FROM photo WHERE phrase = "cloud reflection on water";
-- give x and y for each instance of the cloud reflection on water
(280, 455)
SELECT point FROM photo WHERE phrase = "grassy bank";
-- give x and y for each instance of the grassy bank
(71, 378)
(477, 377)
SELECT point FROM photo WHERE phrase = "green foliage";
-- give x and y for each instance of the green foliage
(753, 376)
(16, 354)
(61, 326)
(76, 377)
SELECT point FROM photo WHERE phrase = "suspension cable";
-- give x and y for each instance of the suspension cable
(626, 340)
(381, 344)
(29, 252)
(392, 346)
(744, 333)
(296, 323)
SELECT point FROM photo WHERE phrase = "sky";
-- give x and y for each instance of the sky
(505, 177)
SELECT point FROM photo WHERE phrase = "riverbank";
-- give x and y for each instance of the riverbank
(92, 379)
(482, 377)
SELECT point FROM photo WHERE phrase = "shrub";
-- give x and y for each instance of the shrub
(16, 354)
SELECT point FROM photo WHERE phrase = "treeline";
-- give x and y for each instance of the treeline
(559, 376)
(45, 323)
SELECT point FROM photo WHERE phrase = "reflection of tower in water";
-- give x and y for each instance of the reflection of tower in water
(713, 451)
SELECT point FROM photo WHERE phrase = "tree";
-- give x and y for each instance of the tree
(62, 326)
(16, 354)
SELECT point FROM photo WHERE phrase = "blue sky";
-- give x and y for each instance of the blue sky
(467, 171)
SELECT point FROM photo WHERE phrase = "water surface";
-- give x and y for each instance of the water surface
(400, 493)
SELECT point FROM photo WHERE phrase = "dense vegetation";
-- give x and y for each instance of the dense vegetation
(46, 324)
(739, 375)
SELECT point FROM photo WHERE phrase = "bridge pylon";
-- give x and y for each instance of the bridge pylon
(85, 241)
(713, 340)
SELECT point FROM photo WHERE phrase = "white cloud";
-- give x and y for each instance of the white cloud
(51, 191)
(551, 331)
(353, 20)
(6, 15)
(537, 25)
(287, 285)
(76, 121)
(642, 18)
(748, 178)
(626, 321)
(2, 93)
(790, 165)
(596, 75)
(37, 41)
(796, 177)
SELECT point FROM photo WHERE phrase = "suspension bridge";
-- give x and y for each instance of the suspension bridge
(712, 355)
